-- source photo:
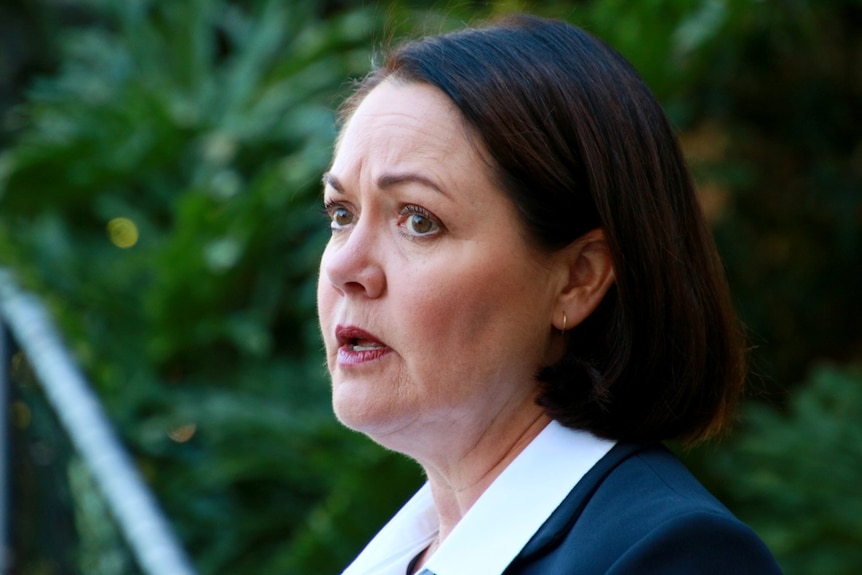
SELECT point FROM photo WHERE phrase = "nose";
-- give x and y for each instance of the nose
(353, 265)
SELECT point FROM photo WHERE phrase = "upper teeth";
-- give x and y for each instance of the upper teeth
(366, 347)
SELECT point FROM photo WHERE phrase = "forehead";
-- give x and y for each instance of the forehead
(398, 122)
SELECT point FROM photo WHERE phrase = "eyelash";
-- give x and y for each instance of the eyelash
(410, 210)
(328, 211)
(330, 206)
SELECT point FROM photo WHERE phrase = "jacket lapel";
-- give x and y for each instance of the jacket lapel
(554, 530)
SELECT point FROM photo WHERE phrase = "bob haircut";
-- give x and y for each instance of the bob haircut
(577, 141)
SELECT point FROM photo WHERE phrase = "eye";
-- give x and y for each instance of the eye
(419, 222)
(339, 216)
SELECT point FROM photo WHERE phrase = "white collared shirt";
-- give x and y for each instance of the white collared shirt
(499, 524)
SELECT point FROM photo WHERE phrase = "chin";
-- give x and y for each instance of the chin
(356, 410)
(382, 422)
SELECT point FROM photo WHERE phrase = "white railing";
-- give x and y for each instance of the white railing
(79, 411)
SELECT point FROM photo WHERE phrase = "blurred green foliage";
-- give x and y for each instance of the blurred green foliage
(794, 475)
(160, 188)
(162, 192)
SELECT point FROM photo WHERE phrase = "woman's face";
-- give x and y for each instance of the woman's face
(436, 313)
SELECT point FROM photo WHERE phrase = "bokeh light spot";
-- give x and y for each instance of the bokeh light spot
(183, 433)
(123, 232)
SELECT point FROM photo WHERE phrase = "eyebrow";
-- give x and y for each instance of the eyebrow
(387, 181)
(333, 182)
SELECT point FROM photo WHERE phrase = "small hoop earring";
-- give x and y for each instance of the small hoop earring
(563, 330)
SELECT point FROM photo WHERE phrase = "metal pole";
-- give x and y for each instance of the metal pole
(80, 412)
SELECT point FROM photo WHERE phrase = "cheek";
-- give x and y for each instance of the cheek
(472, 311)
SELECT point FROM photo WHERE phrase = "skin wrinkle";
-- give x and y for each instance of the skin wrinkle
(457, 389)
(461, 498)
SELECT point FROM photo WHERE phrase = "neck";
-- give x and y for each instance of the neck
(457, 487)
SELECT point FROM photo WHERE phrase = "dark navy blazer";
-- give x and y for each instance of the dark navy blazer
(639, 511)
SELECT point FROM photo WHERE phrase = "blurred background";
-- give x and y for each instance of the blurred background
(159, 189)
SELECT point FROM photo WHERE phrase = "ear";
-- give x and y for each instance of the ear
(590, 273)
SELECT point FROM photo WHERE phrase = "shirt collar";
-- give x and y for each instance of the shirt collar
(502, 520)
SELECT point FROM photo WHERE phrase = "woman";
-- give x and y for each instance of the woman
(520, 294)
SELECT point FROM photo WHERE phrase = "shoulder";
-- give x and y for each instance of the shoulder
(641, 511)
(698, 541)
(650, 483)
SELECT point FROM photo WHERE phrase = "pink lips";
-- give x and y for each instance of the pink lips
(357, 346)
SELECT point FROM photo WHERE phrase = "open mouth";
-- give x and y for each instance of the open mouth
(357, 340)
(357, 347)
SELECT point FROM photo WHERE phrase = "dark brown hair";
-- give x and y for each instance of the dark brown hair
(579, 142)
